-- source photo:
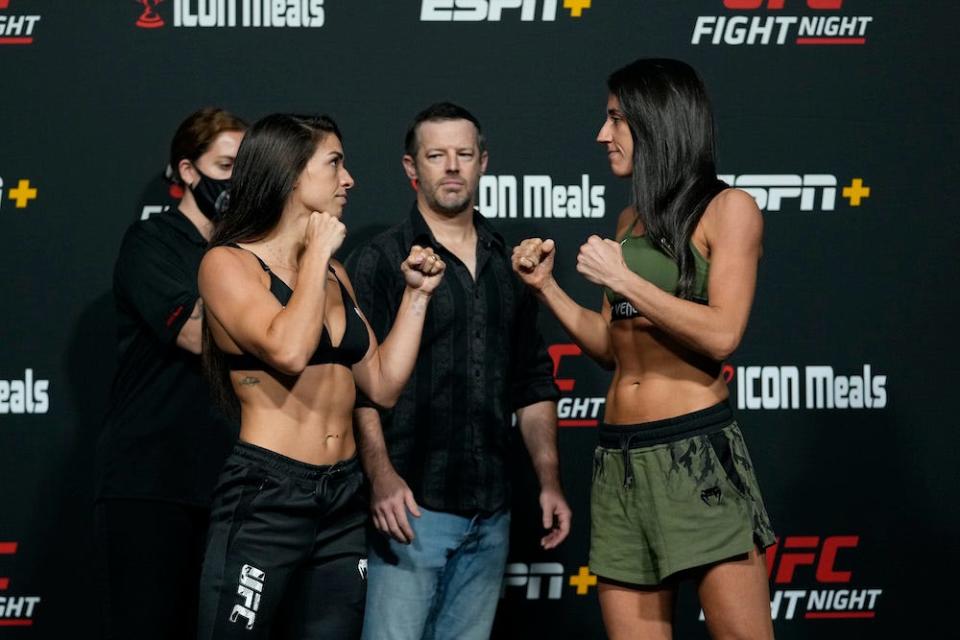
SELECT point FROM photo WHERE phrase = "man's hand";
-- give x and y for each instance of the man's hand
(556, 517)
(390, 500)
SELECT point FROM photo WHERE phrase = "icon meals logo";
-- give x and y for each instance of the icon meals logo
(779, 387)
(814, 28)
(16, 28)
(234, 13)
(26, 395)
(501, 197)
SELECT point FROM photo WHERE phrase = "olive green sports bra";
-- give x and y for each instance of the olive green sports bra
(653, 265)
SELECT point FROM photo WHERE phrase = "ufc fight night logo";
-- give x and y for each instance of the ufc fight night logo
(249, 589)
(812, 578)
(16, 28)
(573, 411)
(762, 22)
(15, 611)
(495, 10)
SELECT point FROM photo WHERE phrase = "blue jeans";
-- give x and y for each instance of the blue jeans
(445, 584)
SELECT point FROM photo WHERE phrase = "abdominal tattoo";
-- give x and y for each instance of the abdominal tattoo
(249, 381)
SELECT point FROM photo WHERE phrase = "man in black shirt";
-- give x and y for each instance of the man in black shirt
(441, 453)
(163, 443)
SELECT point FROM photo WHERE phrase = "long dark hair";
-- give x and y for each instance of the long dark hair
(674, 173)
(271, 158)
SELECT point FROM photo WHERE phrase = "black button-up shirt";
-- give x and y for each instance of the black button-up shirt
(481, 358)
(162, 438)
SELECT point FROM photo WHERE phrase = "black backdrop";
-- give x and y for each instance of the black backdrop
(855, 302)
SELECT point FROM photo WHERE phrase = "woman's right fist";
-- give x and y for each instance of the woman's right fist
(533, 261)
(324, 233)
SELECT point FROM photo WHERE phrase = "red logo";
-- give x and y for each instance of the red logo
(149, 19)
(778, 4)
(573, 411)
(16, 29)
(15, 611)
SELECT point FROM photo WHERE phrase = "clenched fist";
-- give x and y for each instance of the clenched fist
(324, 233)
(601, 262)
(423, 269)
(533, 261)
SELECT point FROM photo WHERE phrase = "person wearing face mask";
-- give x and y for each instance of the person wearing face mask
(163, 443)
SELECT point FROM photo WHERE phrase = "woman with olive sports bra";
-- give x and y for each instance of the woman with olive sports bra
(644, 259)
(674, 492)
(285, 344)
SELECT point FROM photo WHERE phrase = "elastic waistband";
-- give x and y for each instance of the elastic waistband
(295, 468)
(645, 434)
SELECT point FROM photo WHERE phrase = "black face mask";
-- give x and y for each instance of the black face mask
(211, 195)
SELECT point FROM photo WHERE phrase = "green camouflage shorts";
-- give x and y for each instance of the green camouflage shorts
(672, 495)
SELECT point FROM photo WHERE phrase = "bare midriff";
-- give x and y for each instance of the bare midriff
(657, 377)
(307, 417)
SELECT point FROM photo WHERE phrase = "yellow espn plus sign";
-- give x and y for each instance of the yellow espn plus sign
(22, 194)
(856, 192)
(583, 581)
(576, 7)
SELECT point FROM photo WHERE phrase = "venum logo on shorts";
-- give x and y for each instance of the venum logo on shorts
(362, 568)
(772, 27)
(27, 395)
(711, 497)
(792, 192)
(234, 13)
(779, 387)
(249, 589)
(495, 10)
(540, 197)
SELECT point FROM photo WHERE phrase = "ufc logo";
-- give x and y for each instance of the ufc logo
(557, 352)
(250, 588)
(799, 551)
(748, 5)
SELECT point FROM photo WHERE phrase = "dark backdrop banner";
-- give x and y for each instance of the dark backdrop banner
(839, 116)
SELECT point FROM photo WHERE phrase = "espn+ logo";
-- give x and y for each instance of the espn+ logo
(810, 29)
(493, 10)
(810, 192)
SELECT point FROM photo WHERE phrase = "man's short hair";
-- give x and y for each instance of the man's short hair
(439, 112)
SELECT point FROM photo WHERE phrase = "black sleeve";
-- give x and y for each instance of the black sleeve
(533, 378)
(155, 282)
(374, 285)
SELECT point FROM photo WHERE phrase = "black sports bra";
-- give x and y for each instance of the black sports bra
(352, 348)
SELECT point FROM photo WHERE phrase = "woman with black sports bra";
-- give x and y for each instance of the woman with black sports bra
(285, 343)
(674, 493)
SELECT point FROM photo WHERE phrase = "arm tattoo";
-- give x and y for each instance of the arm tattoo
(249, 381)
